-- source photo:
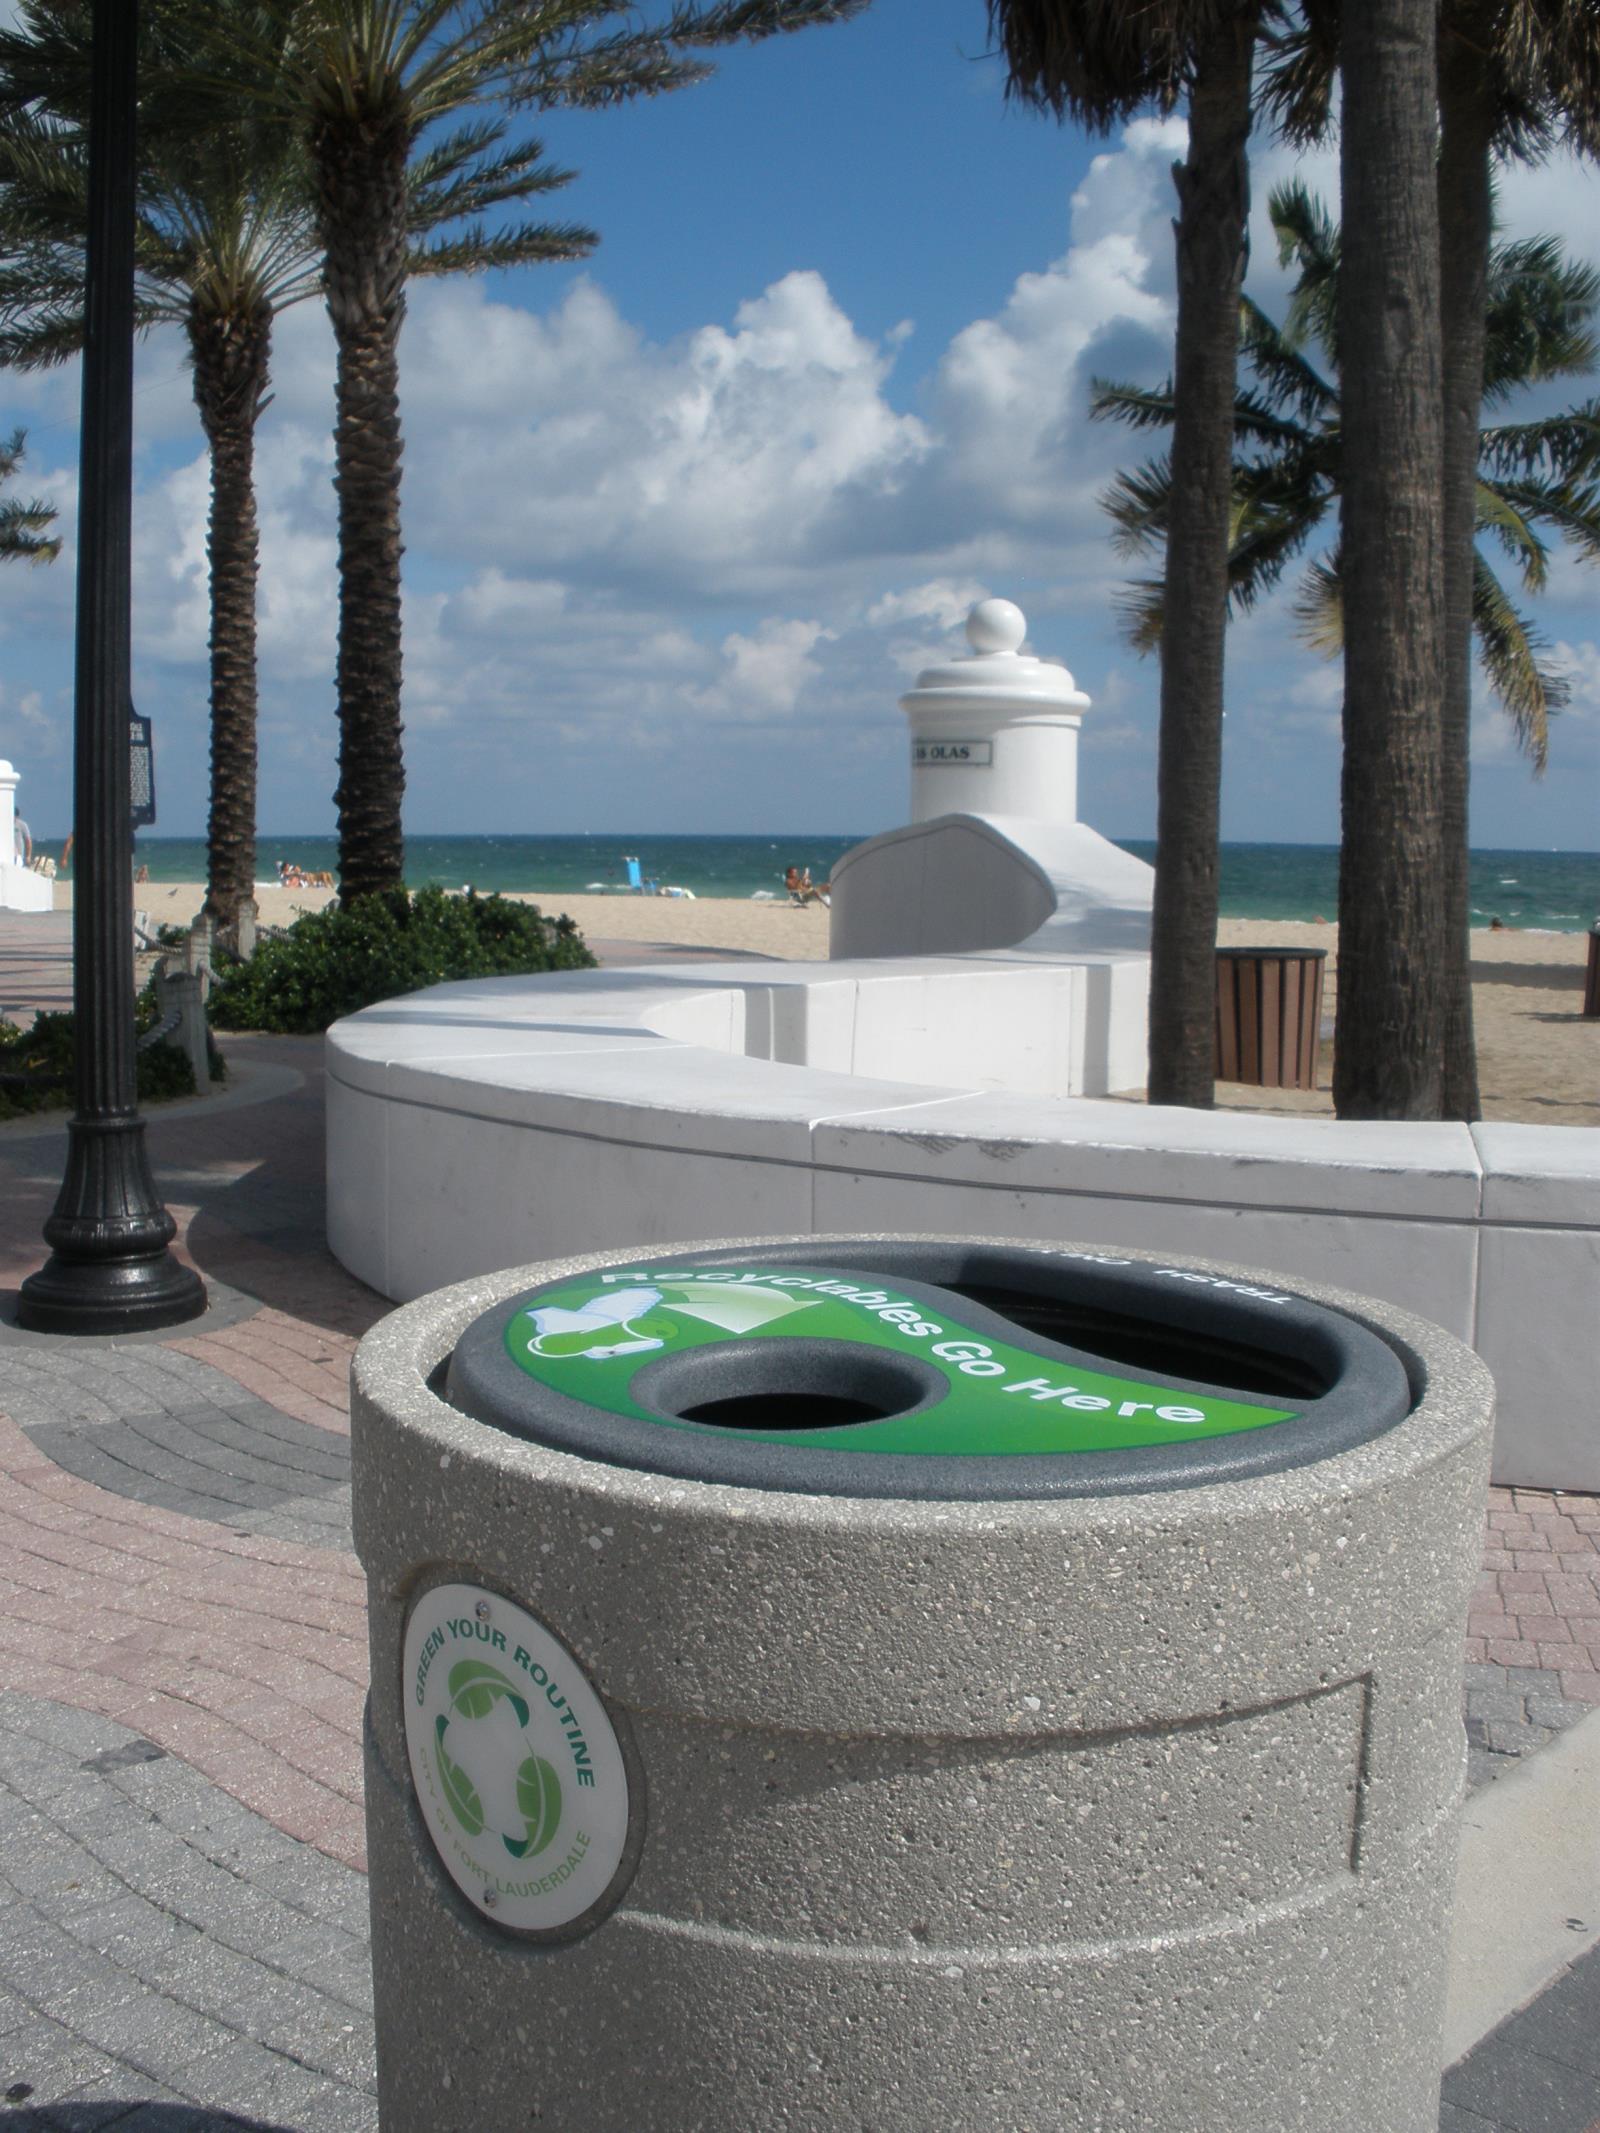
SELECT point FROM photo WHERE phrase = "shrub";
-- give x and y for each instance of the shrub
(334, 961)
(163, 1071)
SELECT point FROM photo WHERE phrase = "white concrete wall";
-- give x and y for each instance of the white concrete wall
(1049, 894)
(20, 889)
(475, 1126)
(23, 890)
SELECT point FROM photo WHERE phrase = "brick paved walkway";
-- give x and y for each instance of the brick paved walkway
(1533, 1637)
(183, 1656)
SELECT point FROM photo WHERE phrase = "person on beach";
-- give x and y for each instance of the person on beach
(802, 889)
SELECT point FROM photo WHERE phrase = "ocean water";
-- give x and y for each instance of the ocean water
(1556, 891)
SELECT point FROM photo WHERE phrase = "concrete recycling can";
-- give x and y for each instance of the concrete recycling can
(884, 1683)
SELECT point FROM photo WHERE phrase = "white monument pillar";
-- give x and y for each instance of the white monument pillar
(994, 856)
(995, 733)
(20, 889)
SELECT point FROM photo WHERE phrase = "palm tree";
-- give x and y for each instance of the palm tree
(224, 241)
(366, 83)
(227, 238)
(23, 524)
(1390, 1020)
(1514, 78)
(219, 254)
(1542, 474)
(1099, 62)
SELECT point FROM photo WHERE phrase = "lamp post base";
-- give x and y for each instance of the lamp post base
(109, 1270)
(110, 1296)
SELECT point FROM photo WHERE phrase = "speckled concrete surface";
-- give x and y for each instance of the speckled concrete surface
(1092, 1812)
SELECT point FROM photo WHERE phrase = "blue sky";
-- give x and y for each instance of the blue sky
(683, 523)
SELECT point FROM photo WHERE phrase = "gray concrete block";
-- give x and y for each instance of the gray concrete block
(1516, 1739)
(1555, 1712)
(1506, 1704)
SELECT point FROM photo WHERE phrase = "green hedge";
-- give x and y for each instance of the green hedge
(163, 1070)
(334, 961)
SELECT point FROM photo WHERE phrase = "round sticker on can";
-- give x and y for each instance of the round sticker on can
(517, 1768)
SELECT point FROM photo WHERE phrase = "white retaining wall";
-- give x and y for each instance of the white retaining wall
(20, 888)
(478, 1126)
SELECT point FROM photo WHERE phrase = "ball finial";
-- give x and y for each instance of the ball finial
(996, 626)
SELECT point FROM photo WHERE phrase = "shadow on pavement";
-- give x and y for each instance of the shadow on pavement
(131, 2117)
(252, 1181)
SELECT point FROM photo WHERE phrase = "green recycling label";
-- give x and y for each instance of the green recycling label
(589, 1338)
(515, 1763)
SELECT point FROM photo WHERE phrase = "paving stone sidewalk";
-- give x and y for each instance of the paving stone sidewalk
(183, 1662)
(160, 1944)
(1533, 1635)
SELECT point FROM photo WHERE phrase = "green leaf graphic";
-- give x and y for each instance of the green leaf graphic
(475, 1688)
(539, 1799)
(464, 1801)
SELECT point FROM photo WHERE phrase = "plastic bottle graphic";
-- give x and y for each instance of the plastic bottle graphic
(618, 1323)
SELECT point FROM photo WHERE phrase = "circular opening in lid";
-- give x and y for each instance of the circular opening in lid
(799, 1386)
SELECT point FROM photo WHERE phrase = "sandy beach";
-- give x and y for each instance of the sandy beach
(1538, 1058)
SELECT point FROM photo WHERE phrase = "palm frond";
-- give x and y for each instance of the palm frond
(1099, 62)
(1509, 648)
(1500, 515)
(24, 521)
(454, 180)
(1571, 509)
(1141, 407)
(1138, 502)
(1538, 319)
(478, 251)
(1275, 513)
(1308, 238)
(1562, 447)
(1140, 609)
(1257, 422)
(1319, 605)
(1288, 379)
(599, 76)
(1299, 70)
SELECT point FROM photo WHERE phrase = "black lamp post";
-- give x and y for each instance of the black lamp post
(110, 1270)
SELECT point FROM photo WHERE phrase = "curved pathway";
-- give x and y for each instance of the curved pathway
(183, 1929)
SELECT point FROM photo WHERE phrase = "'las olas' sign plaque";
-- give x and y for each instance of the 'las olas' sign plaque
(951, 755)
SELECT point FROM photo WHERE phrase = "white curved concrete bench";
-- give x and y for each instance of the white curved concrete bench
(481, 1125)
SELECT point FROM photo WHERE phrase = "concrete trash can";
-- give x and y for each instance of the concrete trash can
(876, 1683)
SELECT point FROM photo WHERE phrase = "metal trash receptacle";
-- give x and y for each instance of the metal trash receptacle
(850, 1682)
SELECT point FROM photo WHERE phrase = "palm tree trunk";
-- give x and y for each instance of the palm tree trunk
(1466, 221)
(231, 358)
(362, 201)
(1213, 239)
(1389, 1034)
